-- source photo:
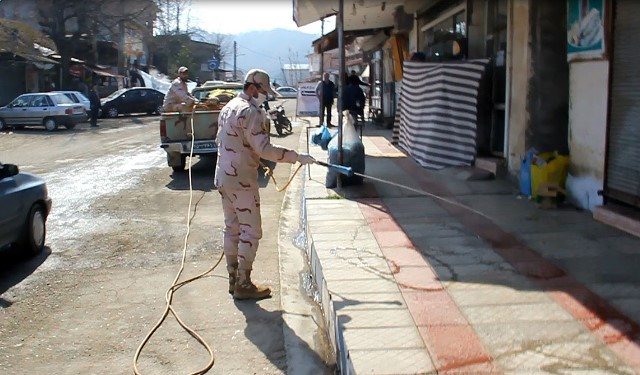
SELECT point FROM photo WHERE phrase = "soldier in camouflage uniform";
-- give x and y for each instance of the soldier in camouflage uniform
(242, 141)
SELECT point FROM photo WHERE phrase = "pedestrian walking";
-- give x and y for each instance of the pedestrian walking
(353, 99)
(242, 142)
(326, 92)
(94, 100)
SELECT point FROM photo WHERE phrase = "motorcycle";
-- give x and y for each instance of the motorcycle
(280, 120)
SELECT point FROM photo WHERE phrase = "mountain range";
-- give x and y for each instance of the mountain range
(268, 50)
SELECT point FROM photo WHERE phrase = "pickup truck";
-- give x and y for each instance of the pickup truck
(175, 135)
(175, 127)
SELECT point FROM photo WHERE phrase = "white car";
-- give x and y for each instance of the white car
(287, 92)
(48, 109)
(79, 98)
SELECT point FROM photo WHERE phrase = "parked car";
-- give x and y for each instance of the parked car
(25, 206)
(48, 109)
(132, 100)
(78, 98)
(287, 92)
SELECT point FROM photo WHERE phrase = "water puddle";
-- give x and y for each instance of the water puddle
(74, 189)
(300, 241)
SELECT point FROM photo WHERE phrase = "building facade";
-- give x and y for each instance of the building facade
(561, 79)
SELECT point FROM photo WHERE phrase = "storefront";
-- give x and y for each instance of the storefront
(622, 182)
(459, 30)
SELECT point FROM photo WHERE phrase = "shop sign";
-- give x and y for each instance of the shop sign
(308, 103)
(585, 29)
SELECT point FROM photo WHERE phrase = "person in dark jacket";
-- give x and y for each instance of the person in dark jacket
(357, 79)
(326, 92)
(353, 98)
(94, 99)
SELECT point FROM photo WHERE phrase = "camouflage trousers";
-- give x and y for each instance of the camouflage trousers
(242, 226)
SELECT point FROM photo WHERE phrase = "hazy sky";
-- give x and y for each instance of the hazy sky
(237, 16)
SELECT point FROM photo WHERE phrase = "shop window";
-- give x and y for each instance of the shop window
(447, 40)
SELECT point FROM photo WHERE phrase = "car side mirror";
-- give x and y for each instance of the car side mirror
(8, 170)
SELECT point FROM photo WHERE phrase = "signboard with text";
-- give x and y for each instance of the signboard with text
(308, 103)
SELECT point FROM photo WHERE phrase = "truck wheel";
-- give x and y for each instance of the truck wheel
(177, 161)
(178, 168)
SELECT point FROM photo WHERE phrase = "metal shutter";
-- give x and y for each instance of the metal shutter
(623, 159)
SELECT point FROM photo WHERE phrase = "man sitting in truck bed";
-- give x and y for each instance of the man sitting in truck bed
(178, 98)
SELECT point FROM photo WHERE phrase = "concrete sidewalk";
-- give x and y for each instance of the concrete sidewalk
(411, 284)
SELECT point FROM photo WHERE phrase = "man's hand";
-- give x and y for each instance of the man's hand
(305, 159)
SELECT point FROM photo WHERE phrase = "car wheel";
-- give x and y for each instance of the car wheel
(70, 126)
(3, 124)
(50, 124)
(112, 112)
(35, 231)
(159, 109)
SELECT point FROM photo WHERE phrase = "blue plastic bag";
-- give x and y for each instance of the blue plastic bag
(322, 137)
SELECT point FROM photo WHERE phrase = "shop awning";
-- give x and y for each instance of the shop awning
(102, 73)
(36, 58)
(373, 42)
(358, 14)
(329, 41)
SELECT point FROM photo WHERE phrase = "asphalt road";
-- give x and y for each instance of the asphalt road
(114, 245)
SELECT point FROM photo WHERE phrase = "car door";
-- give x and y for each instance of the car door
(39, 108)
(16, 111)
(145, 99)
(130, 102)
(152, 100)
(10, 214)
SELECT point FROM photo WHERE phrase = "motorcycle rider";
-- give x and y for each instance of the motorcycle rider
(242, 141)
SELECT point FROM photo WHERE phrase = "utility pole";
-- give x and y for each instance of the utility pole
(235, 56)
(320, 113)
(341, 82)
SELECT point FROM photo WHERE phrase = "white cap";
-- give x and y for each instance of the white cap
(261, 78)
(183, 69)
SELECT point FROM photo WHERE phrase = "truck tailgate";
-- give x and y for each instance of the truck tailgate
(178, 126)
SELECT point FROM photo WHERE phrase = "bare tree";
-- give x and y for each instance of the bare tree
(19, 37)
(225, 46)
(69, 21)
(174, 17)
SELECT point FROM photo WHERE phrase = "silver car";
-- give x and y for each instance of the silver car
(287, 92)
(78, 98)
(48, 109)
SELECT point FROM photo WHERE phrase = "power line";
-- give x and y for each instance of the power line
(258, 53)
